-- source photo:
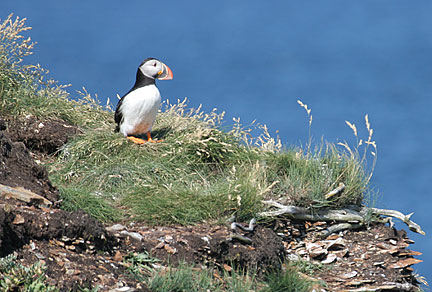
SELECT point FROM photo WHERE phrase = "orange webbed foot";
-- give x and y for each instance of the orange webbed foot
(136, 140)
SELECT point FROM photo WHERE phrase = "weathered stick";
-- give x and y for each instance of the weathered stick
(342, 215)
(404, 218)
(242, 238)
(339, 227)
(336, 191)
(345, 215)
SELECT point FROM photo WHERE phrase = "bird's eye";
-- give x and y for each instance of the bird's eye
(154, 64)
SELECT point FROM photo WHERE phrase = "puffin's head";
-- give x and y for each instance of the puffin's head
(155, 69)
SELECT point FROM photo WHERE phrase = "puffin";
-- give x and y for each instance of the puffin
(136, 110)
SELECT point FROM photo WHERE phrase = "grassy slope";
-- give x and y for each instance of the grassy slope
(200, 172)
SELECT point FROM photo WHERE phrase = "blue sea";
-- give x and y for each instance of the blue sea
(255, 59)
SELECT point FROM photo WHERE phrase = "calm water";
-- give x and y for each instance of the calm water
(254, 60)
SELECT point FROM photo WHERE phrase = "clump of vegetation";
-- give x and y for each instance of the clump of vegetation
(201, 172)
(16, 277)
(140, 265)
(25, 89)
(288, 280)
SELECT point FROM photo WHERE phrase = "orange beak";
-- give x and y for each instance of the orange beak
(165, 73)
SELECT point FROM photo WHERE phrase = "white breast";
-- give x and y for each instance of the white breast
(139, 109)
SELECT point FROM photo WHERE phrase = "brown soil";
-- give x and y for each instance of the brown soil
(80, 252)
(18, 168)
(40, 136)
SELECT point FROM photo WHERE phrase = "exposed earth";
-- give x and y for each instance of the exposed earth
(80, 252)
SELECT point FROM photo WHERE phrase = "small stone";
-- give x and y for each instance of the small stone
(365, 256)
(338, 243)
(340, 253)
(78, 241)
(169, 249)
(383, 245)
(134, 235)
(160, 245)
(293, 257)
(70, 247)
(116, 228)
(118, 257)
(39, 256)
(18, 219)
(329, 259)
(183, 241)
(315, 250)
(349, 275)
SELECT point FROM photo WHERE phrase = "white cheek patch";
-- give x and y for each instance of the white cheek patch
(148, 71)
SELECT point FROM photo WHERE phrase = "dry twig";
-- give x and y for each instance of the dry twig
(355, 218)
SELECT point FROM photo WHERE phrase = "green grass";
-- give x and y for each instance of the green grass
(76, 198)
(201, 172)
(185, 179)
(185, 278)
(139, 265)
(287, 281)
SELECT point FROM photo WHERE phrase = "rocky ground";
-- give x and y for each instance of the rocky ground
(78, 251)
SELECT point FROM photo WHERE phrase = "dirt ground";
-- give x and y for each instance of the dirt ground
(80, 252)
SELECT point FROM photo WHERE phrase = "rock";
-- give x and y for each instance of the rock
(329, 259)
(134, 235)
(404, 263)
(116, 228)
(24, 195)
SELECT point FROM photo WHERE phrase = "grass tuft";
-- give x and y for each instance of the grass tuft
(74, 199)
(184, 278)
(289, 280)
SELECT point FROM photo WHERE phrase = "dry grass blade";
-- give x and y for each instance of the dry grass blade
(353, 127)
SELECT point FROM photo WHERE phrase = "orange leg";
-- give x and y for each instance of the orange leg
(149, 138)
